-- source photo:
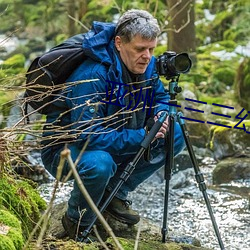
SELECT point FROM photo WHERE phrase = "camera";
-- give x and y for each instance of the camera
(171, 65)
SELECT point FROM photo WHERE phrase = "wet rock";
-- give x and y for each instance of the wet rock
(181, 179)
(231, 169)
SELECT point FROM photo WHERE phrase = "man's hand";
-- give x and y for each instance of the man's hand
(164, 128)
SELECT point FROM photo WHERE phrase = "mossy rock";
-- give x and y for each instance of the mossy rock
(197, 129)
(242, 84)
(226, 142)
(11, 237)
(128, 244)
(21, 199)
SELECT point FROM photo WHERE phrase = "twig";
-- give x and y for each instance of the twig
(66, 154)
(77, 21)
(137, 236)
(99, 238)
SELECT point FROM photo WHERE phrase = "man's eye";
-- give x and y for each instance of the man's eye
(139, 50)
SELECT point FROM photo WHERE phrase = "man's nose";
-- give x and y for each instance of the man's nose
(146, 54)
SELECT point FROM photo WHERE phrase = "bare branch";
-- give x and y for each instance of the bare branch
(66, 154)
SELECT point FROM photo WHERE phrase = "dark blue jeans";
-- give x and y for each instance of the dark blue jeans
(99, 170)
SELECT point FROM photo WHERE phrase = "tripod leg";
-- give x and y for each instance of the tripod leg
(129, 168)
(168, 173)
(199, 178)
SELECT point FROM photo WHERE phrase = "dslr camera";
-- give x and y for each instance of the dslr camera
(171, 65)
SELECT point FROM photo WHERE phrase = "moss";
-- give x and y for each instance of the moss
(9, 219)
(22, 200)
(6, 243)
(16, 237)
(128, 244)
(214, 130)
(224, 75)
(220, 133)
(16, 61)
(242, 84)
(13, 239)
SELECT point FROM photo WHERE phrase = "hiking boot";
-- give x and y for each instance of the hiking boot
(121, 211)
(75, 231)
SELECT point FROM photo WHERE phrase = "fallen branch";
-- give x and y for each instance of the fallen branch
(65, 154)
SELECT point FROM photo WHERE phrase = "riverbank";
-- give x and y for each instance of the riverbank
(188, 216)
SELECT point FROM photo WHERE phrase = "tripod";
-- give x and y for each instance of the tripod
(173, 90)
(129, 169)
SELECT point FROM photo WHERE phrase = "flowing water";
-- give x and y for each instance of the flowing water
(187, 212)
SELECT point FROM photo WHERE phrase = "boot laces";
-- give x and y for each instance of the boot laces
(127, 203)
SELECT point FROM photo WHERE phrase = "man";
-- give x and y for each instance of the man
(106, 115)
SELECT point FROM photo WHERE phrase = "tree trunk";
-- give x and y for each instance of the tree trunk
(71, 6)
(83, 8)
(181, 27)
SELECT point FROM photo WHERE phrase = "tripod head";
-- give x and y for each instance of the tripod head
(174, 89)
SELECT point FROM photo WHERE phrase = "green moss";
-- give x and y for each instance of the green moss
(21, 199)
(224, 75)
(9, 219)
(16, 61)
(128, 244)
(13, 239)
(242, 84)
(16, 237)
(6, 243)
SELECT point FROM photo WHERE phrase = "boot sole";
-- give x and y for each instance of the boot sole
(121, 219)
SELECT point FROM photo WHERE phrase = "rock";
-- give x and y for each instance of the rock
(231, 169)
(149, 238)
(242, 84)
(181, 179)
(227, 142)
(198, 132)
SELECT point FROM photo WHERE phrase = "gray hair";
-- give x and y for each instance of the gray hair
(137, 22)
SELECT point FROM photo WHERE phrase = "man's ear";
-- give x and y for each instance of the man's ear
(118, 42)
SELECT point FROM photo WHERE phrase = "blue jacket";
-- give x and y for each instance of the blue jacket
(89, 116)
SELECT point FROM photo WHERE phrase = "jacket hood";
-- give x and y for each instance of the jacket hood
(98, 42)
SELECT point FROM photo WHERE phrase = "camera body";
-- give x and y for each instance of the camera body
(171, 65)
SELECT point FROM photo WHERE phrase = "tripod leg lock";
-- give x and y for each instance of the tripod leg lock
(127, 172)
(200, 180)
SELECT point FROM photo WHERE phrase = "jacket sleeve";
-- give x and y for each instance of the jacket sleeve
(89, 117)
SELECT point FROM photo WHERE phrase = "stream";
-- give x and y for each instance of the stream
(187, 212)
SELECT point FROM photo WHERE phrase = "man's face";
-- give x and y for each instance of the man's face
(137, 53)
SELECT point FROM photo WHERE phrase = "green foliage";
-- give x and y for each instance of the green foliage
(17, 60)
(12, 67)
(229, 23)
(224, 75)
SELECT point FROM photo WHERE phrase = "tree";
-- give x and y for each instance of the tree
(181, 26)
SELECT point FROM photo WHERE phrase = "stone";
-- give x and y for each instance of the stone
(231, 169)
